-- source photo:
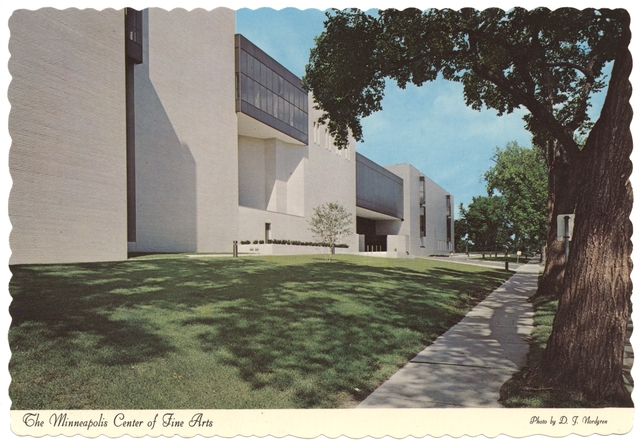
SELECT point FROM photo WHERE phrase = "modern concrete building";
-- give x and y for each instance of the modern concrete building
(287, 162)
(401, 212)
(427, 228)
(164, 131)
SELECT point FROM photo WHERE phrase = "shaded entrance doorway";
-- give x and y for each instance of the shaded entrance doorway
(372, 241)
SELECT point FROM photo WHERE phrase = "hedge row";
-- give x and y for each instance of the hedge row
(289, 242)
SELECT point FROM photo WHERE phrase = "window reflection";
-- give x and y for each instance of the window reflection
(268, 91)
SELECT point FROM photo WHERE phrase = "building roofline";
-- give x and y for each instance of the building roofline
(269, 61)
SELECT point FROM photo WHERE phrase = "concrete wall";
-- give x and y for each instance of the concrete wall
(67, 124)
(281, 184)
(435, 241)
(283, 249)
(271, 175)
(252, 225)
(398, 246)
(331, 176)
(437, 216)
(251, 173)
(186, 132)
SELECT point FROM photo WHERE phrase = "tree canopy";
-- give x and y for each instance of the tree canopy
(330, 223)
(520, 176)
(513, 215)
(550, 62)
(485, 223)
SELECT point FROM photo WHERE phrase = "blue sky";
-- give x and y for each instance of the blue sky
(429, 127)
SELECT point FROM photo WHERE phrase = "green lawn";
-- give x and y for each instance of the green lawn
(170, 332)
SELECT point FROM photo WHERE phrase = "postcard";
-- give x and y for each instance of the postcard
(319, 220)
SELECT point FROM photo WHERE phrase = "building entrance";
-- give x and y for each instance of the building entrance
(372, 241)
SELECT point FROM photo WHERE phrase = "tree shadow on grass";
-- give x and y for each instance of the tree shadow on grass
(342, 326)
(43, 309)
(322, 330)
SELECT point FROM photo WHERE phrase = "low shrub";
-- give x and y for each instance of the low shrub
(290, 242)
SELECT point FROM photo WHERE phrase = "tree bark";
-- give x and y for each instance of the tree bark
(562, 200)
(584, 355)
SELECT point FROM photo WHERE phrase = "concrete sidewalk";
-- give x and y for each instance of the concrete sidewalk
(476, 260)
(466, 366)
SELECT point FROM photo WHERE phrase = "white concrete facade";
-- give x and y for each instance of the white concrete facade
(437, 238)
(281, 183)
(204, 173)
(186, 133)
(67, 123)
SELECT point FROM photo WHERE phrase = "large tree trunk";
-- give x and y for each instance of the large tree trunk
(562, 200)
(584, 354)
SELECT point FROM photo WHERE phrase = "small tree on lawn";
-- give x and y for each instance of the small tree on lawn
(329, 224)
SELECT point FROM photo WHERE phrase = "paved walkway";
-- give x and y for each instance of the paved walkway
(467, 365)
(475, 260)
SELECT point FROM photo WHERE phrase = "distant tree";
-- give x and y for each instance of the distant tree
(519, 174)
(330, 223)
(461, 234)
(486, 224)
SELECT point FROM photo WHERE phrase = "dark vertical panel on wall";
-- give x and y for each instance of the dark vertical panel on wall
(131, 155)
(378, 189)
(133, 56)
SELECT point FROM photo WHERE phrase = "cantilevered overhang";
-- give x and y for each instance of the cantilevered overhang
(269, 93)
(251, 127)
(370, 214)
(378, 191)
